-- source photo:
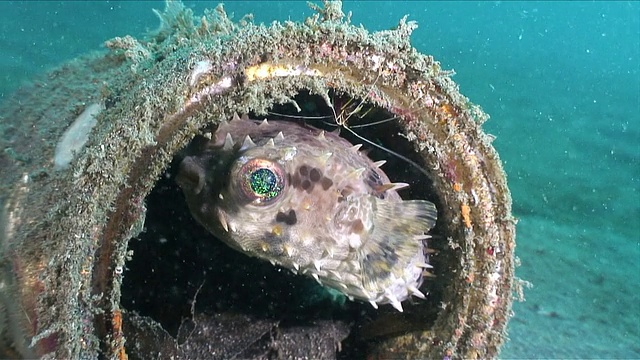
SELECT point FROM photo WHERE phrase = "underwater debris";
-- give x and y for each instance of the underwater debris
(94, 253)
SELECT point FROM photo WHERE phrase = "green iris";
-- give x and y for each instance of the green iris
(264, 183)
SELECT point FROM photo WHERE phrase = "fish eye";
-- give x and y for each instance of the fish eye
(261, 181)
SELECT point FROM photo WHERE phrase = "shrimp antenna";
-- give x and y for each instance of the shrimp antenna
(374, 123)
(300, 117)
(342, 122)
(398, 155)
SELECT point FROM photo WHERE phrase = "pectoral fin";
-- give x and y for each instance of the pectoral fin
(393, 253)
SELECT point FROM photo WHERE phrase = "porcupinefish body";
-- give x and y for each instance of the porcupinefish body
(311, 202)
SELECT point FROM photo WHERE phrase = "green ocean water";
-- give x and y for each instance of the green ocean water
(561, 81)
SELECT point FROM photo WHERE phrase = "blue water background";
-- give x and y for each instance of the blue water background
(561, 81)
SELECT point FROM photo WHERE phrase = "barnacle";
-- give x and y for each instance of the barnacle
(66, 235)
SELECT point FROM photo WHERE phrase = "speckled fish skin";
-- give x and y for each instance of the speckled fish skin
(326, 211)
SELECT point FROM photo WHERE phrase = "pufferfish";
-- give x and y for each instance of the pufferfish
(312, 202)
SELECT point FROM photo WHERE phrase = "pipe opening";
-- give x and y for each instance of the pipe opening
(180, 274)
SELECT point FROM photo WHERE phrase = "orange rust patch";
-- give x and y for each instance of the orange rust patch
(122, 355)
(466, 215)
(448, 110)
(116, 323)
(457, 187)
(470, 278)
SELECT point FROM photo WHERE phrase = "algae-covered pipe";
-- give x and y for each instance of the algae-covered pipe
(89, 149)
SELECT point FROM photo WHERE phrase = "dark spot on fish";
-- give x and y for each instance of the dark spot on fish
(307, 185)
(326, 183)
(303, 170)
(289, 218)
(315, 175)
(357, 226)
(346, 192)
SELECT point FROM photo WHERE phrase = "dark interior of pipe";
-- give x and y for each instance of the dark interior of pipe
(178, 269)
